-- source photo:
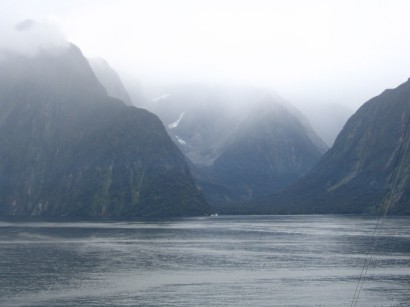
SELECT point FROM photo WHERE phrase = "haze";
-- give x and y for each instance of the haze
(341, 52)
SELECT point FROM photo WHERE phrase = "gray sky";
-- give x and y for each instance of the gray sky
(308, 51)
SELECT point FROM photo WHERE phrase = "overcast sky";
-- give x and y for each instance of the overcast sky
(308, 51)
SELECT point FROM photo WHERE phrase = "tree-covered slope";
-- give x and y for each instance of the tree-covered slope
(354, 175)
(67, 148)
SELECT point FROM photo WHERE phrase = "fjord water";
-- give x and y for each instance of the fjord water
(210, 261)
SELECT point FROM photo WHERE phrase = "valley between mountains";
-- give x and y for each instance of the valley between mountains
(75, 141)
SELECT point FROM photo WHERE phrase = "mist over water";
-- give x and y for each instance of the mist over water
(230, 261)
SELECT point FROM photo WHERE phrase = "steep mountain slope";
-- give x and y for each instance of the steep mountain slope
(67, 148)
(243, 143)
(199, 119)
(353, 176)
(109, 78)
(269, 151)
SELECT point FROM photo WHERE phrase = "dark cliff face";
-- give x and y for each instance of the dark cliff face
(66, 148)
(353, 176)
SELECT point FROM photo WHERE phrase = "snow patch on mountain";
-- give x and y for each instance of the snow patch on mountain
(161, 97)
(181, 141)
(176, 123)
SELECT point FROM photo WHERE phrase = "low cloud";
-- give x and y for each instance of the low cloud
(29, 37)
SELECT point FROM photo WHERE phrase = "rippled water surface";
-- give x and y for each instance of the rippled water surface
(215, 261)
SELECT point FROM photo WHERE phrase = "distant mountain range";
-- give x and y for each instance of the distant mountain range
(67, 148)
(243, 143)
(72, 143)
(356, 175)
(327, 119)
(110, 79)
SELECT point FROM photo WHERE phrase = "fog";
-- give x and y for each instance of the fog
(28, 37)
(309, 52)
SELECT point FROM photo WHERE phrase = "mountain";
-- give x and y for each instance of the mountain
(269, 151)
(327, 119)
(67, 148)
(244, 143)
(110, 79)
(354, 175)
(199, 119)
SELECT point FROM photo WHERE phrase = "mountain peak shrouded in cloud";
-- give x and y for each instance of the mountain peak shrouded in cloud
(25, 25)
(366, 169)
(243, 143)
(29, 37)
(67, 148)
(305, 50)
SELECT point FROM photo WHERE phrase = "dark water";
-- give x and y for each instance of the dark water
(220, 261)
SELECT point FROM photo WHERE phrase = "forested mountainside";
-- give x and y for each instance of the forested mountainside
(67, 148)
(354, 175)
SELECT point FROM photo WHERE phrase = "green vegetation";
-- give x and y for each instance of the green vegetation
(66, 148)
(353, 176)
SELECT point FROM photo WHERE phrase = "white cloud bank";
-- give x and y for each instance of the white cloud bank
(308, 51)
(28, 37)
